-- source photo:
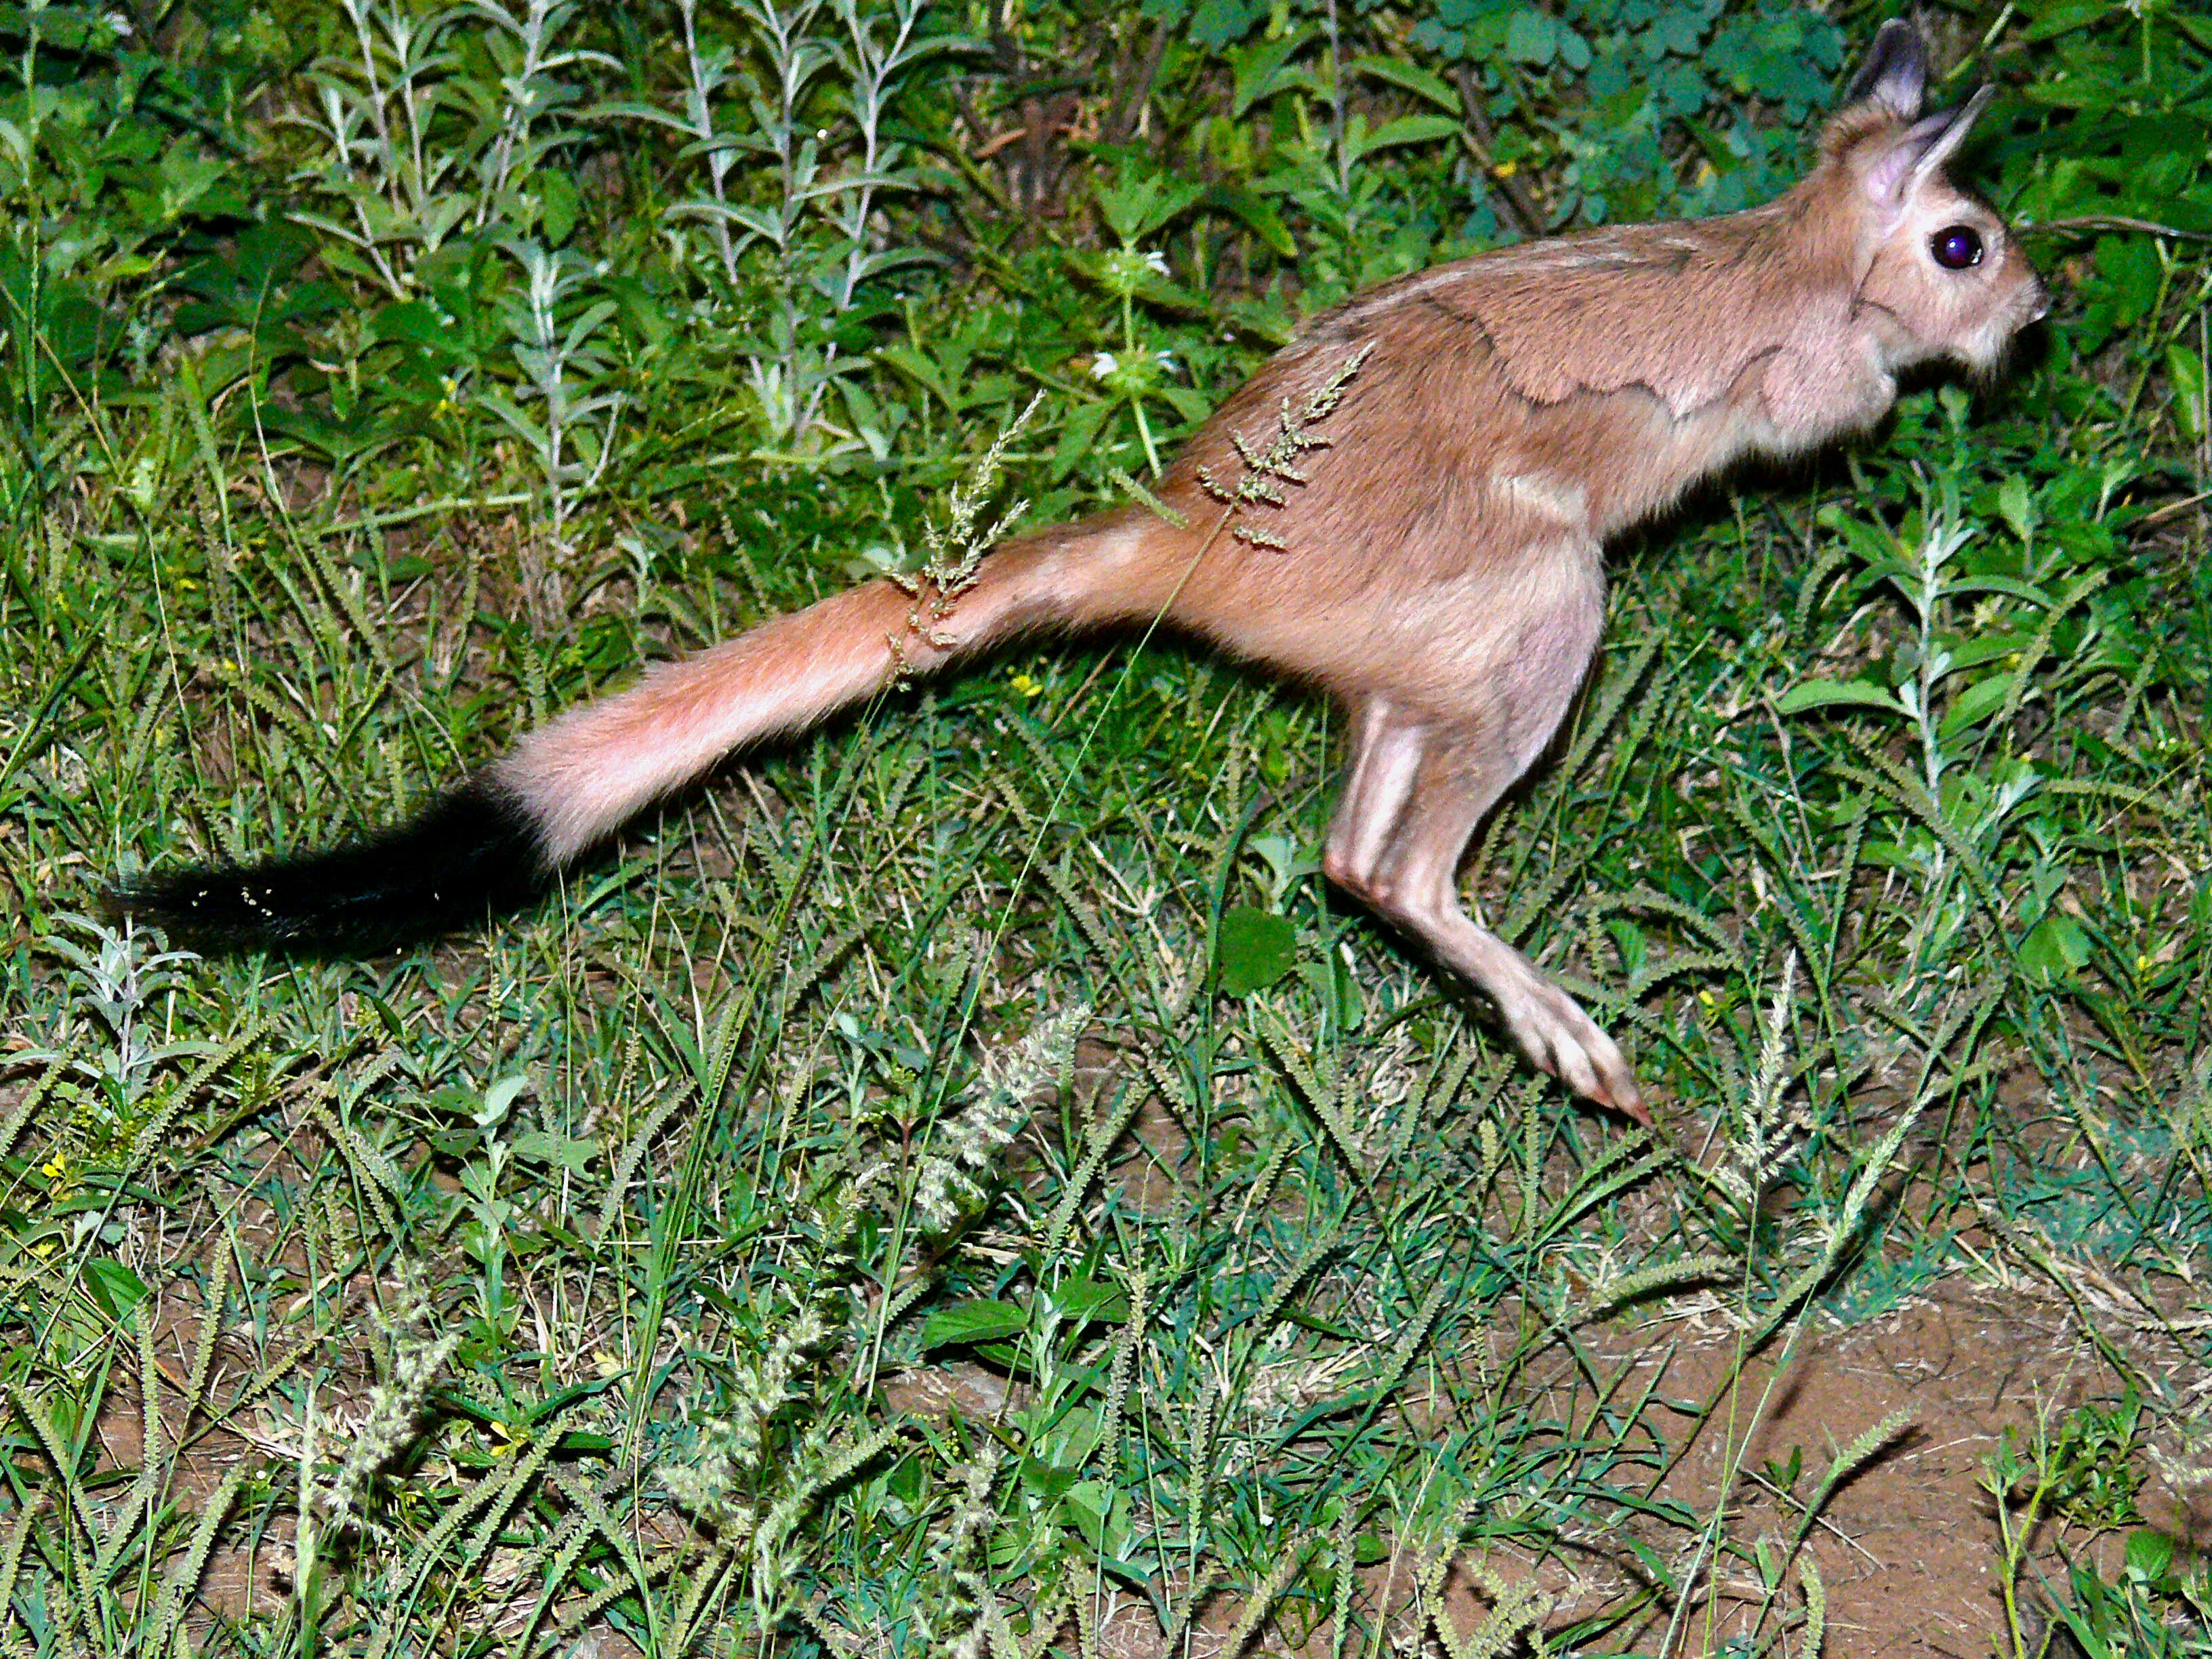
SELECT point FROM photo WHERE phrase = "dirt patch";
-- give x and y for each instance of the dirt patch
(1907, 1548)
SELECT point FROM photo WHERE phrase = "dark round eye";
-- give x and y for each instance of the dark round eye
(1956, 247)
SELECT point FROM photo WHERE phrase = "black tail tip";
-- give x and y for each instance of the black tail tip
(471, 854)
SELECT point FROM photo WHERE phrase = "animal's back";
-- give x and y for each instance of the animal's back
(1483, 451)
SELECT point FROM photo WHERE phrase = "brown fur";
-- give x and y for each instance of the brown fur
(1440, 572)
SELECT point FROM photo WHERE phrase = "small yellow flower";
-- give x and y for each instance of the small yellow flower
(505, 1437)
(605, 1364)
(1506, 169)
(1025, 686)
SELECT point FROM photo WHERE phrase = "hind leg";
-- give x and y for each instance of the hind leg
(1415, 794)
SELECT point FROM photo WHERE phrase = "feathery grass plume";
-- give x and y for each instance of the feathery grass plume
(61, 1454)
(182, 1581)
(776, 1568)
(413, 1362)
(1615, 1291)
(1097, 1144)
(11, 1556)
(640, 1142)
(1262, 1192)
(949, 1186)
(499, 1488)
(1765, 1128)
(1816, 1607)
(1344, 1555)
(1288, 1565)
(721, 1479)
(964, 1599)
(34, 1098)
(1322, 1092)
(729, 1475)
(142, 1501)
(955, 553)
(1267, 470)
(1194, 1603)
(1515, 1609)
(1840, 1227)
(1120, 1376)
(1847, 1462)
(155, 1129)
(1145, 498)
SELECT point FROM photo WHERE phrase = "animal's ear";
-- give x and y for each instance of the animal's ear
(1922, 147)
(1895, 73)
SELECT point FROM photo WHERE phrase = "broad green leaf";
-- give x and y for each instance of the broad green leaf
(2016, 507)
(1406, 130)
(1258, 214)
(1976, 703)
(1257, 948)
(2048, 21)
(559, 203)
(2186, 369)
(1264, 68)
(2055, 949)
(1828, 694)
(114, 1286)
(973, 1321)
(1413, 78)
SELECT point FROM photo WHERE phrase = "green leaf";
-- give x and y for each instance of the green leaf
(1081, 1299)
(2055, 949)
(1406, 130)
(559, 203)
(1099, 1511)
(499, 1099)
(2016, 507)
(1413, 78)
(925, 375)
(1257, 948)
(1976, 703)
(973, 1321)
(114, 1286)
(1827, 694)
(410, 322)
(1531, 37)
(2048, 21)
(1078, 432)
(1258, 215)
(1136, 204)
(2186, 369)
(1264, 68)
(2150, 1554)
(1047, 1479)
(2132, 274)
(1219, 23)
(573, 1153)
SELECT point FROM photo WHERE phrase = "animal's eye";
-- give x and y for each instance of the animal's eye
(1956, 247)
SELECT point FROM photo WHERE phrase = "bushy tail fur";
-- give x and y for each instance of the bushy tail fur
(497, 840)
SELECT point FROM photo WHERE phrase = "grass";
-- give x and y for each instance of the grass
(962, 1181)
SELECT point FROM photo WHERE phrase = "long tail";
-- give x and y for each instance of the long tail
(497, 840)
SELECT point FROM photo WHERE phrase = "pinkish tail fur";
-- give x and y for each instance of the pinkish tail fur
(589, 771)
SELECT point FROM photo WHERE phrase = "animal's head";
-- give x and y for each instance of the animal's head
(1938, 274)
